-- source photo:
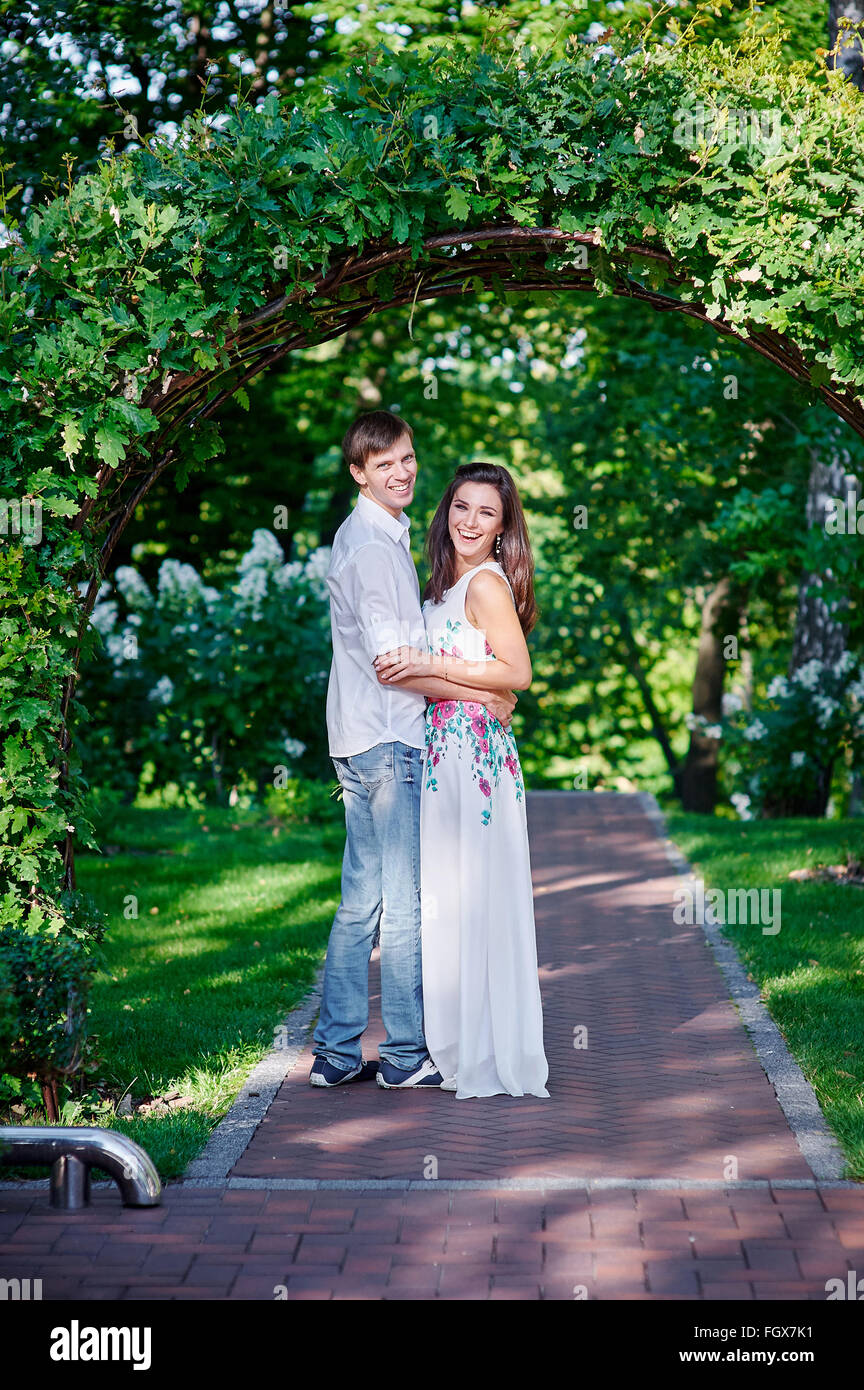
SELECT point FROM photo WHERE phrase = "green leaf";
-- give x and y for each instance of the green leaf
(72, 438)
(457, 203)
(819, 374)
(61, 506)
(110, 445)
(401, 224)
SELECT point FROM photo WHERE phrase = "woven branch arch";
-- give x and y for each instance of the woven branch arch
(261, 341)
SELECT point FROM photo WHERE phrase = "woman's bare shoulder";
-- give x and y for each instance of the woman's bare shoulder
(486, 588)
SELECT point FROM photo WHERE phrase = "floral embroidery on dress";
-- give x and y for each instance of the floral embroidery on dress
(466, 724)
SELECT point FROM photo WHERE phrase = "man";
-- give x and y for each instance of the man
(376, 737)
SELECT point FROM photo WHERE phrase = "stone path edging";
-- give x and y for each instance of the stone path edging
(518, 1184)
(231, 1136)
(795, 1095)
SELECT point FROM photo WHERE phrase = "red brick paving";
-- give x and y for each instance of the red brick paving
(612, 1244)
(668, 1087)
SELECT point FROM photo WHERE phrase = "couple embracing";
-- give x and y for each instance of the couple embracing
(436, 868)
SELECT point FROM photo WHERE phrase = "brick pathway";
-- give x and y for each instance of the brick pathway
(667, 1090)
(668, 1087)
(745, 1244)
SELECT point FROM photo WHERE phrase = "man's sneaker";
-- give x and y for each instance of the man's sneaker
(323, 1073)
(394, 1079)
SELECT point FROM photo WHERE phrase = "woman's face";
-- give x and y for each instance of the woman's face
(475, 518)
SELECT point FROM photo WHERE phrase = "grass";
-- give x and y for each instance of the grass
(811, 973)
(233, 914)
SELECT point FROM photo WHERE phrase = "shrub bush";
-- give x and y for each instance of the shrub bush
(209, 690)
(787, 747)
(45, 975)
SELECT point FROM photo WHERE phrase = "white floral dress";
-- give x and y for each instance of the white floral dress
(481, 995)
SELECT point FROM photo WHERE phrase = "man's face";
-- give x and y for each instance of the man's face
(388, 478)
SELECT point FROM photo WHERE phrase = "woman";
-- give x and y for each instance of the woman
(482, 1014)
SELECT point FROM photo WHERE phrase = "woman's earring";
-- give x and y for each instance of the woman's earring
(498, 544)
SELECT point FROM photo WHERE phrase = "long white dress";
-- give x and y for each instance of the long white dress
(481, 995)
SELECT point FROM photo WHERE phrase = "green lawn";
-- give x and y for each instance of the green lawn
(233, 915)
(811, 973)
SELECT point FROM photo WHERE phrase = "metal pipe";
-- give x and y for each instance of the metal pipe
(73, 1151)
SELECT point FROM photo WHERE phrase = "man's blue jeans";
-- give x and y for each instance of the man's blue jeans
(380, 905)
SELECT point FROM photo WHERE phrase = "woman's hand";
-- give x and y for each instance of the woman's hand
(402, 663)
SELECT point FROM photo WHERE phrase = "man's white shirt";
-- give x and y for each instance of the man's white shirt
(374, 607)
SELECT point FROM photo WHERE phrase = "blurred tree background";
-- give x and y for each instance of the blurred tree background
(668, 474)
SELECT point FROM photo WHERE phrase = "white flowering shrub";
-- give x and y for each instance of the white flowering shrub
(209, 689)
(787, 750)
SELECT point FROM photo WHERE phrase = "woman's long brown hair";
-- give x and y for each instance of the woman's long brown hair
(514, 557)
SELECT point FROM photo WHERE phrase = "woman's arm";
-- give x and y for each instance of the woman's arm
(492, 607)
(500, 703)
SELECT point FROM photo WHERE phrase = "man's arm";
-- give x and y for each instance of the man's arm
(370, 582)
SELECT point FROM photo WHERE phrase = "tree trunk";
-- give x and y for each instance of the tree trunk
(819, 631)
(51, 1099)
(849, 57)
(745, 674)
(720, 619)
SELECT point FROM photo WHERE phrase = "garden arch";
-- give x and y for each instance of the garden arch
(145, 295)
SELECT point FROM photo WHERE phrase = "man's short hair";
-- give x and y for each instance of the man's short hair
(372, 433)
